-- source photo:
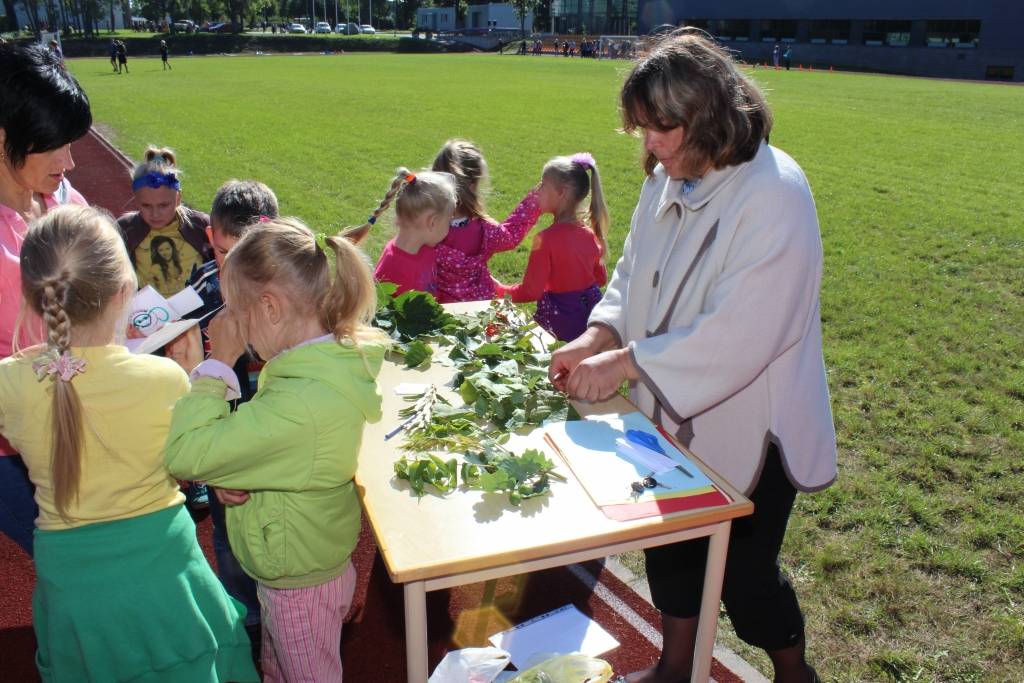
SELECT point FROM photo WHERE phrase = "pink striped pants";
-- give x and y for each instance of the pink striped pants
(302, 630)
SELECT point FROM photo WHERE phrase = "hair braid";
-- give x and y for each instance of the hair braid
(58, 324)
(357, 235)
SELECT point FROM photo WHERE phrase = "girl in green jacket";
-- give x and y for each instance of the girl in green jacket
(289, 454)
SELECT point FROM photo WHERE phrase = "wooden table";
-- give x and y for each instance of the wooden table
(465, 537)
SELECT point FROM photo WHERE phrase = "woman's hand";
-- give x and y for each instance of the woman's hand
(599, 377)
(186, 350)
(563, 361)
(226, 342)
(231, 496)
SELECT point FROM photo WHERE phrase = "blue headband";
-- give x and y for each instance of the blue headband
(157, 180)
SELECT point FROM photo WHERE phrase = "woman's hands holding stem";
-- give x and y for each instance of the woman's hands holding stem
(592, 368)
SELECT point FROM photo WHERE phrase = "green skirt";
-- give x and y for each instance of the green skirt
(135, 600)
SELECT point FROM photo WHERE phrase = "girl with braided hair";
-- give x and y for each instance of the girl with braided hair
(115, 551)
(424, 203)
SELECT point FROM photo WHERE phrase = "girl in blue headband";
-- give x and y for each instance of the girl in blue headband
(165, 239)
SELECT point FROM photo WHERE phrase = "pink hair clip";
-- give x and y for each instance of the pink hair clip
(62, 366)
(584, 159)
(264, 219)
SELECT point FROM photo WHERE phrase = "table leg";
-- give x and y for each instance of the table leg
(416, 632)
(707, 625)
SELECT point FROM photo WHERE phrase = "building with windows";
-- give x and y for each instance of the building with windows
(593, 17)
(975, 39)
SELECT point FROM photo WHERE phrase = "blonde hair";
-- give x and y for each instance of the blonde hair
(412, 194)
(73, 264)
(688, 80)
(284, 252)
(465, 161)
(157, 160)
(572, 174)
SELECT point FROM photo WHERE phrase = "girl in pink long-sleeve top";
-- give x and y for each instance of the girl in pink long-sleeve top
(462, 272)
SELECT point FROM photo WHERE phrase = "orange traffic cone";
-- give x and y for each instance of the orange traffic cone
(800, 68)
(830, 69)
(810, 68)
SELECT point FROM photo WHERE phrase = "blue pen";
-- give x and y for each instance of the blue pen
(650, 442)
(399, 428)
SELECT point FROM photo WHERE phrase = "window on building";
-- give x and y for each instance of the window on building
(953, 33)
(781, 30)
(894, 32)
(999, 73)
(732, 29)
(836, 31)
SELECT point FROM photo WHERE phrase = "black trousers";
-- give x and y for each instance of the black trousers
(758, 598)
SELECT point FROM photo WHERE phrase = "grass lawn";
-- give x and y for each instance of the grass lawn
(911, 567)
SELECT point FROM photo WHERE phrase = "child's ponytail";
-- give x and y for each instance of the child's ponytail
(284, 252)
(73, 266)
(350, 303)
(598, 213)
(572, 173)
(357, 235)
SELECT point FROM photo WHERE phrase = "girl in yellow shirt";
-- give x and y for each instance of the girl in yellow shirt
(123, 591)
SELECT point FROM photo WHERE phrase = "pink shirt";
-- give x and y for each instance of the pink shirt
(462, 273)
(12, 233)
(409, 271)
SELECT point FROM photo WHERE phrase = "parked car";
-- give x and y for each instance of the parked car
(347, 29)
(184, 25)
(366, 28)
(296, 28)
(322, 27)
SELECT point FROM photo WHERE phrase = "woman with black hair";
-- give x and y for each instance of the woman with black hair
(42, 111)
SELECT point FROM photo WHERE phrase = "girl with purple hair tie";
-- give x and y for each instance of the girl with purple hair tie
(566, 268)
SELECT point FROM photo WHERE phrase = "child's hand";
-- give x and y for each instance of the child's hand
(226, 342)
(133, 332)
(186, 350)
(231, 496)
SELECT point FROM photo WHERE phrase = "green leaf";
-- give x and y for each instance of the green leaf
(488, 349)
(468, 392)
(417, 353)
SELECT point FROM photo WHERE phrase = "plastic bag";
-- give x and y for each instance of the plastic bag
(471, 665)
(574, 668)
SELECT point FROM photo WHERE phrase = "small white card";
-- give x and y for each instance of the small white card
(410, 389)
(559, 632)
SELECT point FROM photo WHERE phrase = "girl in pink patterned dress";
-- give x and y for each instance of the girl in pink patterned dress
(462, 273)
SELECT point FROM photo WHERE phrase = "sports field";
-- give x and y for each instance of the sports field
(912, 566)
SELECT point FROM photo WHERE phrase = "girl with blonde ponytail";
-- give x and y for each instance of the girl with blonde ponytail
(567, 263)
(115, 551)
(290, 452)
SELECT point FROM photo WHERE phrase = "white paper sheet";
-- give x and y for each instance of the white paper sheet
(159, 339)
(559, 632)
(590, 448)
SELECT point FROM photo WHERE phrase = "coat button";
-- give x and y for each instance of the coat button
(657, 278)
